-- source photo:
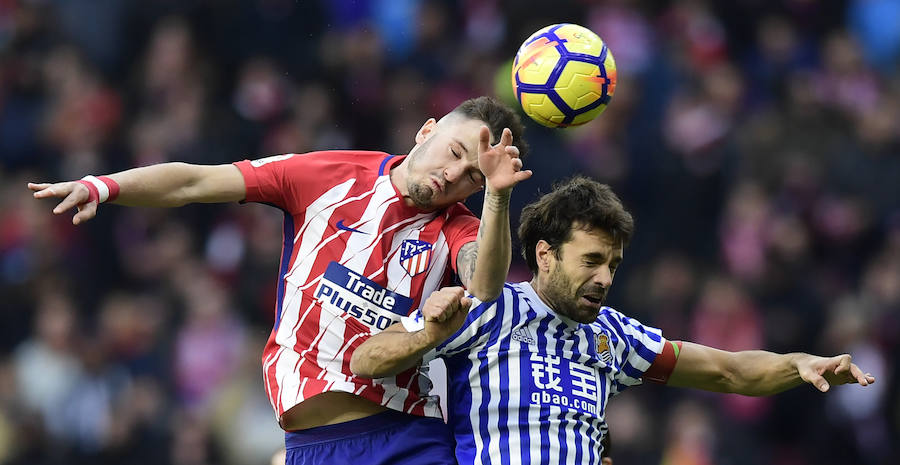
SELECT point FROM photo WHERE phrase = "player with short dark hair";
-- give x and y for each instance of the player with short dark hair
(366, 236)
(530, 373)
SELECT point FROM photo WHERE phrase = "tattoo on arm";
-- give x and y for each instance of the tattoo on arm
(497, 203)
(468, 253)
(465, 261)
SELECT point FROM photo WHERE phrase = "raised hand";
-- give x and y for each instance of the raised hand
(823, 372)
(74, 195)
(444, 312)
(500, 164)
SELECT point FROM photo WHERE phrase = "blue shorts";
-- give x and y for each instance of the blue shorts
(385, 438)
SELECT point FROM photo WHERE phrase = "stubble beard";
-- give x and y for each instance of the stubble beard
(555, 291)
(420, 194)
(558, 293)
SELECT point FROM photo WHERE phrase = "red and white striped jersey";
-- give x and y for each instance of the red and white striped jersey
(355, 260)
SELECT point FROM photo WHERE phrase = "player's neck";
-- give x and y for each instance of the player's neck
(538, 287)
(398, 175)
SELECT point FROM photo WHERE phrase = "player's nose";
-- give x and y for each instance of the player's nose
(453, 172)
(603, 277)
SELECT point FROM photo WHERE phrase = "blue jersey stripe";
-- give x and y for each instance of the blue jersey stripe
(473, 318)
(591, 430)
(525, 403)
(562, 422)
(484, 379)
(287, 249)
(644, 351)
(629, 370)
(503, 367)
(544, 409)
(459, 404)
(643, 331)
(579, 440)
(383, 164)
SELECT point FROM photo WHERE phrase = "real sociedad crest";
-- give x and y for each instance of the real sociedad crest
(603, 351)
(415, 255)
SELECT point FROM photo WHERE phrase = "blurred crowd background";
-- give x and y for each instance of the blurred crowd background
(757, 144)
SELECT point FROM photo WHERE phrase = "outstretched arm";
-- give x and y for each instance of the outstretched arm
(162, 185)
(395, 349)
(484, 264)
(760, 373)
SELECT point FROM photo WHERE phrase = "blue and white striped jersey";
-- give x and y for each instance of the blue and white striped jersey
(526, 385)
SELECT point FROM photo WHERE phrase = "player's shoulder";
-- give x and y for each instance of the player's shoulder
(622, 327)
(337, 159)
(353, 158)
(331, 166)
(361, 156)
(607, 313)
(521, 297)
(506, 292)
(612, 319)
(510, 292)
(518, 289)
(458, 209)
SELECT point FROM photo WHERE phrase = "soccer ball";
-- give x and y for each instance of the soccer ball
(563, 75)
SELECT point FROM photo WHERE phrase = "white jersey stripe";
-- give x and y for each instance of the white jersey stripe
(398, 277)
(285, 358)
(288, 363)
(360, 245)
(314, 224)
(327, 353)
(440, 255)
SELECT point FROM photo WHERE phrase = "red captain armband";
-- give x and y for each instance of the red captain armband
(662, 367)
(101, 188)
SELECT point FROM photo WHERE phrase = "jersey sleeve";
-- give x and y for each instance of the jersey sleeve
(460, 228)
(636, 348)
(286, 181)
(480, 323)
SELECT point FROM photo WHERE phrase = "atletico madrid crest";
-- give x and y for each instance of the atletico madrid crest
(415, 255)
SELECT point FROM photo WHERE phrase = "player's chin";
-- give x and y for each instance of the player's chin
(586, 313)
(423, 197)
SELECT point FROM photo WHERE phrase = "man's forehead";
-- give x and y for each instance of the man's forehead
(593, 240)
(463, 126)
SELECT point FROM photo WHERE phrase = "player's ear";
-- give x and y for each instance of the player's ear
(543, 254)
(426, 130)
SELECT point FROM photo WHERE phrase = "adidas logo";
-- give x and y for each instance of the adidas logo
(522, 334)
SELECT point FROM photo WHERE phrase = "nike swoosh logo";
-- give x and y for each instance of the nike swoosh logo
(340, 225)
